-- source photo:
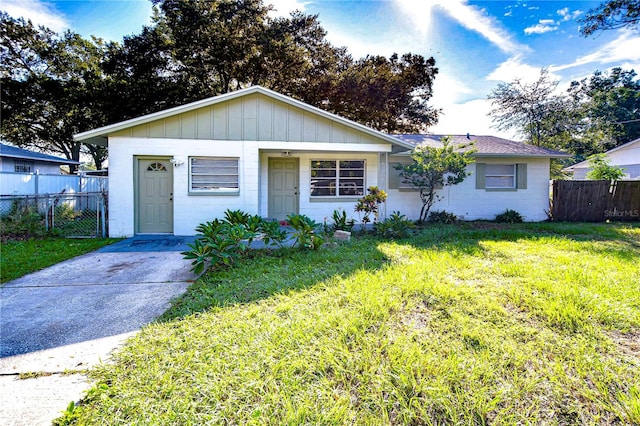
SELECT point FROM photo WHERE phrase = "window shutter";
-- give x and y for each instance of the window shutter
(521, 175)
(480, 175)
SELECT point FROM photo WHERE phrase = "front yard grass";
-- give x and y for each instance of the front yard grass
(462, 324)
(18, 258)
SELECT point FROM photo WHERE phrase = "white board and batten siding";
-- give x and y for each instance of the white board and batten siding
(251, 128)
(253, 117)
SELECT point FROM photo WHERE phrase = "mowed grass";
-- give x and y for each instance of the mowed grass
(467, 324)
(18, 258)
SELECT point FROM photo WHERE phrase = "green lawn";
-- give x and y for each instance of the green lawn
(18, 258)
(465, 324)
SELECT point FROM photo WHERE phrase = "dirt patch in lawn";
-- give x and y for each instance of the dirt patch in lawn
(628, 343)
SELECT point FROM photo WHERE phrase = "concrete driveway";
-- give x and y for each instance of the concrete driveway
(72, 315)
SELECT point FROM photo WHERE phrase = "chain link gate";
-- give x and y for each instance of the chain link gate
(79, 215)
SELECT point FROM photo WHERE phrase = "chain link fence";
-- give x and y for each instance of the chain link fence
(79, 215)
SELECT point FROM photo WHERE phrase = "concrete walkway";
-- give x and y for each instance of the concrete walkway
(71, 316)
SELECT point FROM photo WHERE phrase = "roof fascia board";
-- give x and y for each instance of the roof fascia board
(623, 146)
(45, 160)
(585, 164)
(483, 155)
(488, 155)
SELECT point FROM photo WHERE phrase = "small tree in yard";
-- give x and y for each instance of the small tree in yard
(435, 168)
(601, 169)
(370, 203)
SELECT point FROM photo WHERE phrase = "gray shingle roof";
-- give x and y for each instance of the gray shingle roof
(15, 152)
(486, 146)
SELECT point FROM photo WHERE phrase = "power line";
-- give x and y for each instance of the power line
(627, 121)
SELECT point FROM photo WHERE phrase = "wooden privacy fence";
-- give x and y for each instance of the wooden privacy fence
(595, 200)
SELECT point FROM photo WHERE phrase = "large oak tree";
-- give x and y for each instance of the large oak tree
(47, 87)
(611, 15)
(56, 85)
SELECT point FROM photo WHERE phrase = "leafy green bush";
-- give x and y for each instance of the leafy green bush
(237, 217)
(602, 169)
(395, 226)
(64, 212)
(509, 216)
(271, 233)
(219, 249)
(222, 242)
(340, 222)
(442, 216)
(210, 229)
(22, 221)
(305, 231)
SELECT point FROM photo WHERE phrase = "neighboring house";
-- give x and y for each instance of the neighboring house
(18, 160)
(269, 154)
(626, 156)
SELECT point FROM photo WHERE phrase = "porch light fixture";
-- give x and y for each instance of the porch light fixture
(286, 153)
(176, 163)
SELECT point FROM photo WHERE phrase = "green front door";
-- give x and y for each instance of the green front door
(283, 187)
(154, 203)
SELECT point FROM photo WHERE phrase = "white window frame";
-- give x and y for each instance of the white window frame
(213, 189)
(488, 174)
(338, 185)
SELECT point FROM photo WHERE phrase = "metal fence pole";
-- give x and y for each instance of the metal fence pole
(46, 213)
(103, 215)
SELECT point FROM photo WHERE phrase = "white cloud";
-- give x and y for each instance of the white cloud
(567, 15)
(470, 17)
(543, 26)
(38, 12)
(359, 47)
(285, 7)
(624, 48)
(513, 68)
(448, 90)
(420, 13)
(476, 120)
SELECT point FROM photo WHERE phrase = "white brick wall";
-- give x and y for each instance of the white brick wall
(190, 210)
(470, 203)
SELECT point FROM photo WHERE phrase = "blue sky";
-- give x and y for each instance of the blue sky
(476, 44)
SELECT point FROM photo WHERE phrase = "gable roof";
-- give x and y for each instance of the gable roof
(99, 135)
(585, 164)
(23, 154)
(486, 146)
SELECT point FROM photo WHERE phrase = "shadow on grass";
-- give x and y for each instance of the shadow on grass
(266, 273)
